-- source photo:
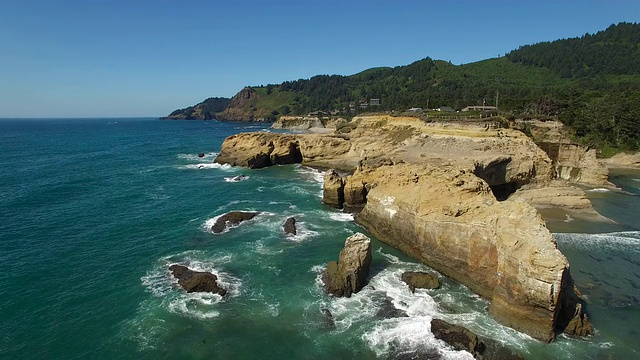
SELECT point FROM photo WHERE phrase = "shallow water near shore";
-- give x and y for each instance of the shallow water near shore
(94, 211)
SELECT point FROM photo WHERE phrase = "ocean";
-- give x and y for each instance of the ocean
(93, 212)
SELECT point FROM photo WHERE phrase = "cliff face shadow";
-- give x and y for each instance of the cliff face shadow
(495, 174)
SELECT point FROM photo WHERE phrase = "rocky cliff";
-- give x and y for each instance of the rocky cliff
(441, 193)
(623, 160)
(572, 162)
(449, 219)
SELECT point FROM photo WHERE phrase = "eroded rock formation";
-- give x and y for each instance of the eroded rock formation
(457, 336)
(231, 219)
(348, 274)
(449, 219)
(433, 191)
(333, 189)
(420, 280)
(196, 281)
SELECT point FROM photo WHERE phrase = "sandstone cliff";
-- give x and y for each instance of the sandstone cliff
(441, 193)
(298, 123)
(571, 161)
(449, 219)
(623, 160)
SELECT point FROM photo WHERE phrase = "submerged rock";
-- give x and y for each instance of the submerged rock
(457, 336)
(201, 155)
(232, 219)
(289, 226)
(196, 281)
(420, 280)
(348, 275)
(388, 310)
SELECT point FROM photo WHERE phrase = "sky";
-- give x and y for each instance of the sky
(126, 58)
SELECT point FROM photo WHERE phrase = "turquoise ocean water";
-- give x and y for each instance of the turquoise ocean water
(93, 211)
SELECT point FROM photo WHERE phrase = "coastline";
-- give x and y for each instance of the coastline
(476, 161)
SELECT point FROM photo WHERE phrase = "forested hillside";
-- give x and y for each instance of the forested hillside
(591, 83)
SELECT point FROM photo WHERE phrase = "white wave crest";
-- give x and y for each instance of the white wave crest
(202, 166)
(236, 178)
(302, 233)
(340, 216)
(197, 157)
(599, 190)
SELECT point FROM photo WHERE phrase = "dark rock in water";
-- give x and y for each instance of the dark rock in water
(196, 281)
(232, 219)
(420, 280)
(457, 336)
(239, 178)
(387, 310)
(328, 316)
(348, 275)
(200, 155)
(290, 226)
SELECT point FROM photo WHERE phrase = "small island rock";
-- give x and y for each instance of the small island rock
(420, 280)
(196, 281)
(290, 226)
(348, 274)
(230, 219)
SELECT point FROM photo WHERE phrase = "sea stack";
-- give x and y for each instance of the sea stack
(348, 274)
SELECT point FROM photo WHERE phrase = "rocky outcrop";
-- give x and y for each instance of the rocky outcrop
(432, 191)
(333, 189)
(576, 163)
(572, 319)
(457, 336)
(554, 194)
(297, 123)
(258, 150)
(501, 156)
(289, 226)
(244, 107)
(623, 160)
(571, 162)
(449, 219)
(196, 281)
(348, 275)
(420, 280)
(461, 338)
(231, 219)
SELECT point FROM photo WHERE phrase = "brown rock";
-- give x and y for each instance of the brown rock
(450, 220)
(333, 189)
(435, 209)
(230, 219)
(457, 336)
(355, 192)
(196, 281)
(289, 226)
(348, 275)
(420, 280)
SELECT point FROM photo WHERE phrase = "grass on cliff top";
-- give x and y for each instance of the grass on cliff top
(276, 100)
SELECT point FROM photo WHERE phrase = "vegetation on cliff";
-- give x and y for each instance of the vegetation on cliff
(591, 83)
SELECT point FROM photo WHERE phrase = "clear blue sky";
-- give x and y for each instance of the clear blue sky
(146, 58)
